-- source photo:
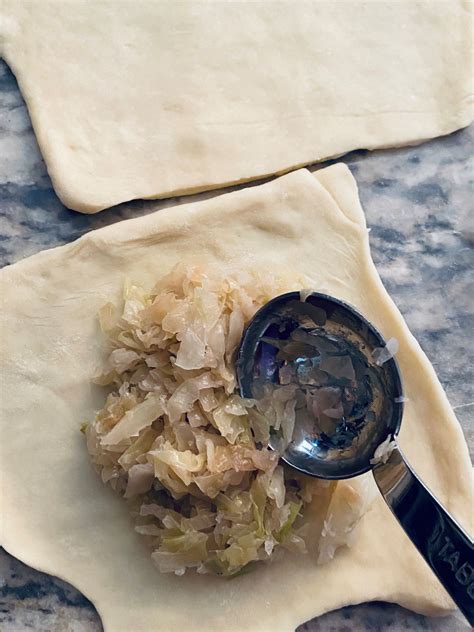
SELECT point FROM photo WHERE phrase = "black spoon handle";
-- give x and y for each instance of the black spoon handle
(446, 547)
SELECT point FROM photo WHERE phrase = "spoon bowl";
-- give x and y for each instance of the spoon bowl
(339, 328)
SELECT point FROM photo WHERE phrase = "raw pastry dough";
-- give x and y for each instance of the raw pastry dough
(60, 518)
(137, 99)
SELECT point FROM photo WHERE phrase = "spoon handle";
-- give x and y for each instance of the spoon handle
(445, 546)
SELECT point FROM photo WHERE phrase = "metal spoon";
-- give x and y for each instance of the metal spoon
(346, 446)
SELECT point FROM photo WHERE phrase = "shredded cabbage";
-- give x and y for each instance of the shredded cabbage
(383, 451)
(176, 440)
(380, 355)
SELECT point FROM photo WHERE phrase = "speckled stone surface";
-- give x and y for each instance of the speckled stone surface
(418, 203)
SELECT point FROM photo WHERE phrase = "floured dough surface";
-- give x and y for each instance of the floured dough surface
(153, 99)
(60, 518)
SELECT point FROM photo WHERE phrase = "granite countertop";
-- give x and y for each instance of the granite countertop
(418, 202)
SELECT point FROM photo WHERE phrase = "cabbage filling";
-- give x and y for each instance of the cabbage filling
(187, 452)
